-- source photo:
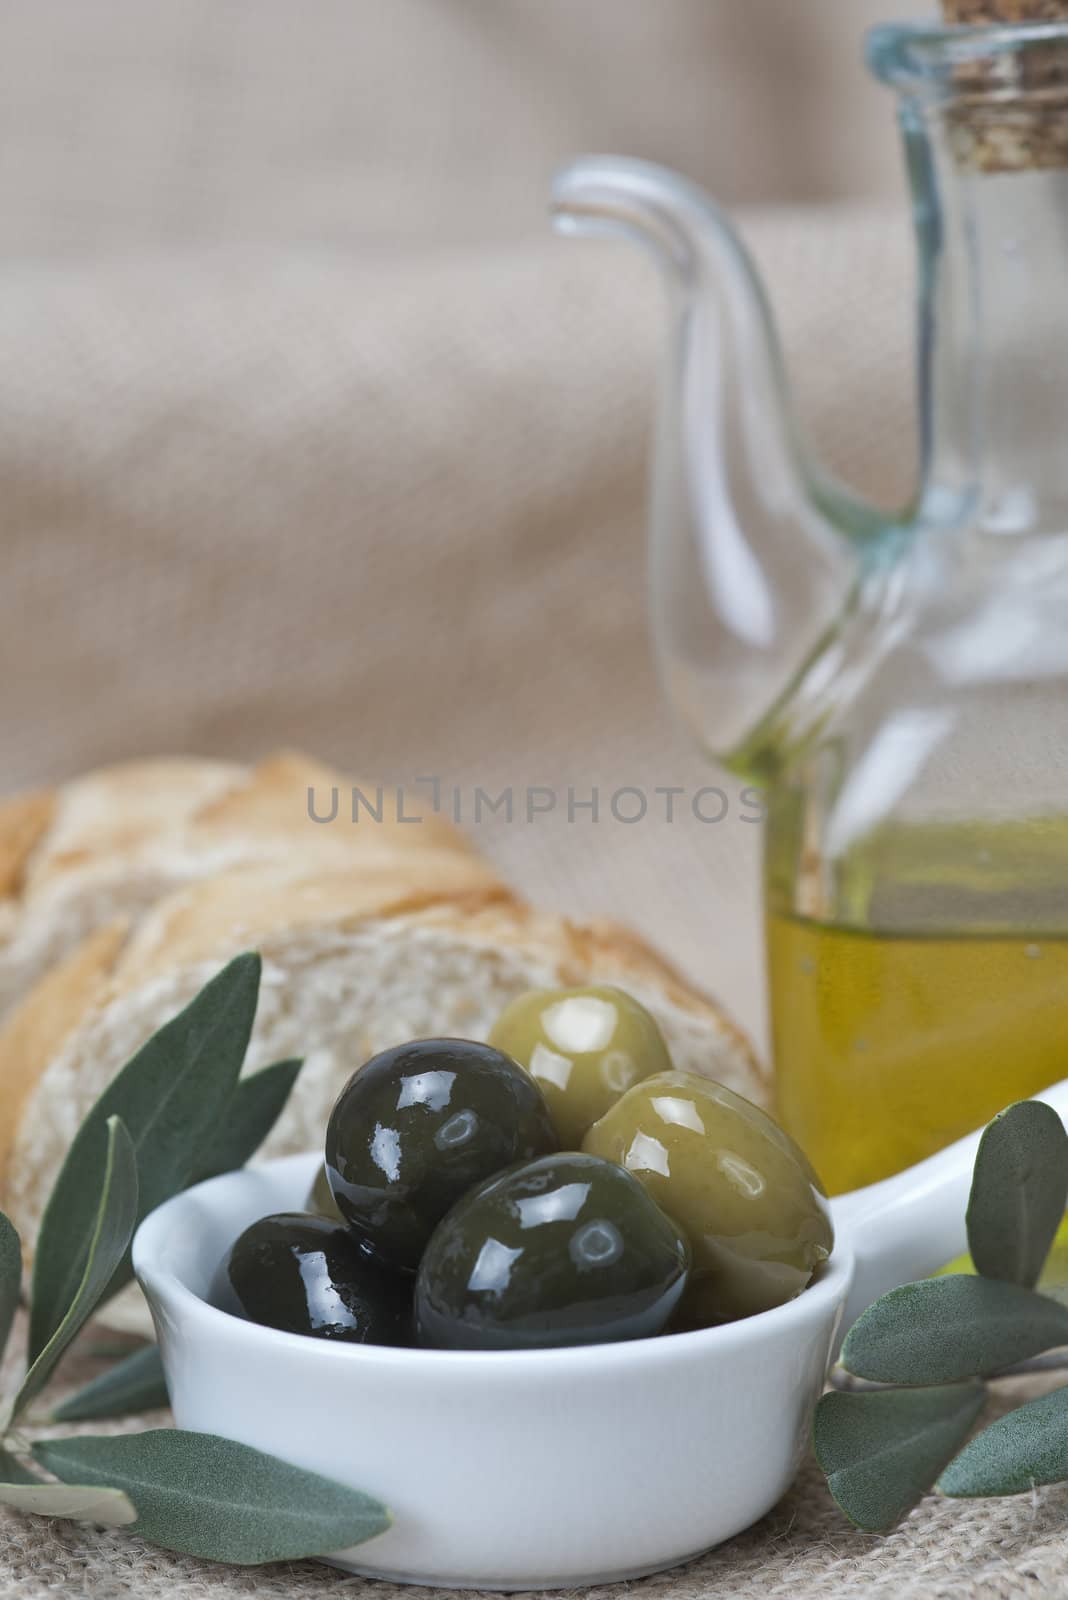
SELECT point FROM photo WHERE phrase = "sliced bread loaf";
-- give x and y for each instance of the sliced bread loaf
(108, 845)
(351, 964)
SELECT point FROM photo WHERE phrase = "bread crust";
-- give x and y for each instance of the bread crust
(274, 798)
(23, 822)
(210, 921)
(112, 843)
(236, 910)
(118, 812)
(125, 810)
(39, 1028)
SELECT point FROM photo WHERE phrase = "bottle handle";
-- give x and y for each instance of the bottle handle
(910, 1225)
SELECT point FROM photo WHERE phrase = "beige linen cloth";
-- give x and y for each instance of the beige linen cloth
(396, 516)
(269, 472)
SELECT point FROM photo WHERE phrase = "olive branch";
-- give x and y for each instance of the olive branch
(177, 1113)
(925, 1353)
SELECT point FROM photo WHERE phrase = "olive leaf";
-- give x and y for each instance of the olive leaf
(12, 1470)
(209, 1497)
(171, 1096)
(134, 1384)
(1027, 1448)
(112, 1348)
(112, 1230)
(83, 1503)
(254, 1108)
(1019, 1193)
(21, 1490)
(882, 1451)
(10, 1278)
(944, 1329)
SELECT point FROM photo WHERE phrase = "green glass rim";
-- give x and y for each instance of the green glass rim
(924, 57)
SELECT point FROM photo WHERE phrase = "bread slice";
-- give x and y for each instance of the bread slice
(350, 966)
(23, 821)
(109, 845)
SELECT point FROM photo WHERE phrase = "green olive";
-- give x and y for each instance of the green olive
(584, 1048)
(738, 1186)
(320, 1197)
(419, 1126)
(306, 1274)
(563, 1251)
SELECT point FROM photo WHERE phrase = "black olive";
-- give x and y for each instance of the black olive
(419, 1126)
(565, 1250)
(307, 1274)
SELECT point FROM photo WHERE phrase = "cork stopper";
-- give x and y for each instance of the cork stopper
(984, 13)
(1010, 113)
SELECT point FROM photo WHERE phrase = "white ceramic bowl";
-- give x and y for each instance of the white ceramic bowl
(514, 1469)
(535, 1469)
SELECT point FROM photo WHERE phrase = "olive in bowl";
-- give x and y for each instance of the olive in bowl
(306, 1274)
(418, 1127)
(566, 1250)
(741, 1189)
(583, 1047)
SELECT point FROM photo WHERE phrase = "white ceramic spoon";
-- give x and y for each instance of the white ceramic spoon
(536, 1469)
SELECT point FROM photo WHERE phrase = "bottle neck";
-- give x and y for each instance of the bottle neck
(994, 337)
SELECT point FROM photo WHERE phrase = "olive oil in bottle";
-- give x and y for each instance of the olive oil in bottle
(890, 1045)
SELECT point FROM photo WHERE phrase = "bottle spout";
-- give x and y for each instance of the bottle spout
(754, 551)
(663, 212)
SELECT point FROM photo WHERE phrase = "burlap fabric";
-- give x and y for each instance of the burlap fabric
(946, 1550)
(269, 473)
(310, 432)
(406, 121)
(397, 517)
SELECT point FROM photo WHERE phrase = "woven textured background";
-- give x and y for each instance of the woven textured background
(944, 1552)
(310, 433)
(404, 122)
(398, 519)
(804, 1550)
